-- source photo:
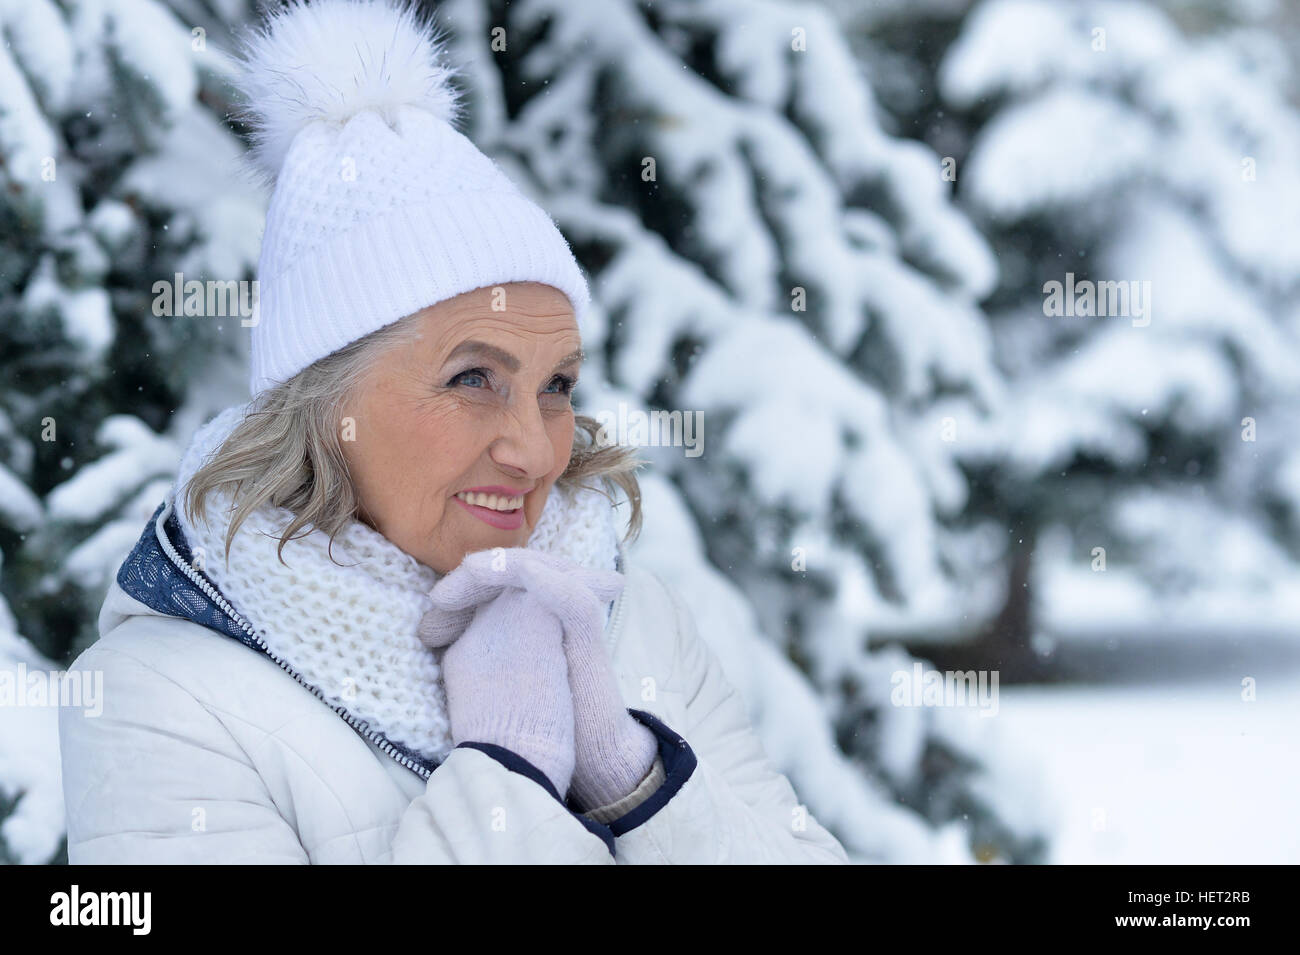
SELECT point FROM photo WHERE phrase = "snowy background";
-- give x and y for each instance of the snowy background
(827, 230)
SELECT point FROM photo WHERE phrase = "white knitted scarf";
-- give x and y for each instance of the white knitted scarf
(350, 630)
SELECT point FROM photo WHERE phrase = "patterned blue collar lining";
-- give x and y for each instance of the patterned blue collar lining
(150, 577)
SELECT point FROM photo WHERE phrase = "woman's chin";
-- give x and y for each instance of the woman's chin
(486, 538)
(470, 536)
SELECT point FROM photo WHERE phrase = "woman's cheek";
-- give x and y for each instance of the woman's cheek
(562, 439)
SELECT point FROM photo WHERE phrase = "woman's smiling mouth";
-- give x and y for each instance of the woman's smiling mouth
(502, 507)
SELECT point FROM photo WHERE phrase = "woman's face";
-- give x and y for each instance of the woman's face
(480, 403)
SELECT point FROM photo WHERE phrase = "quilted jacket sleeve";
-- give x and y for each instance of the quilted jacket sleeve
(721, 801)
(487, 805)
(158, 778)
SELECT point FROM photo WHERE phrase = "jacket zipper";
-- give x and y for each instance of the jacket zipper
(362, 728)
(215, 596)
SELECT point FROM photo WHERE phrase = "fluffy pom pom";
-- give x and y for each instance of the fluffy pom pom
(329, 60)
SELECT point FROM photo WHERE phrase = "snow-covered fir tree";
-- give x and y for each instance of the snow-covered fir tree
(116, 174)
(1142, 469)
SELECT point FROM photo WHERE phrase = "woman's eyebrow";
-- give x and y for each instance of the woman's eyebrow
(511, 363)
(573, 358)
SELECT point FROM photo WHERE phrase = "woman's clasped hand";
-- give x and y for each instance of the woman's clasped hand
(525, 667)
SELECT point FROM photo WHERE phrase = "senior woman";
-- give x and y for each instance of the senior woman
(385, 615)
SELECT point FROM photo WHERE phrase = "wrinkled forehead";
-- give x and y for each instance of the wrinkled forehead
(503, 321)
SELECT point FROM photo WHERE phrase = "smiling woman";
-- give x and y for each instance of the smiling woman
(409, 523)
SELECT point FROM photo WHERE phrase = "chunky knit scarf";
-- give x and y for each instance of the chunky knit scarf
(350, 630)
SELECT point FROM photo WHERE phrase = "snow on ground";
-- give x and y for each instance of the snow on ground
(1177, 773)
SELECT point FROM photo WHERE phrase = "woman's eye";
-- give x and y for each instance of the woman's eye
(469, 377)
(480, 378)
(562, 384)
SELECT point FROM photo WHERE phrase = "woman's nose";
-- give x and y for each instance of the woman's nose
(524, 446)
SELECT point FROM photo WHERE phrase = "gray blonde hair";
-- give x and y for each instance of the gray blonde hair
(287, 451)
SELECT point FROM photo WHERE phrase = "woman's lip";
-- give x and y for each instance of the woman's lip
(505, 520)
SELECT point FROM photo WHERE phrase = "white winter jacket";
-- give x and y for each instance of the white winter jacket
(207, 751)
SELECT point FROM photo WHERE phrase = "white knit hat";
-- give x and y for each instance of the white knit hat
(380, 207)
